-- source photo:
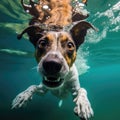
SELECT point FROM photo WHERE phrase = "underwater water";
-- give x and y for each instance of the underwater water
(98, 64)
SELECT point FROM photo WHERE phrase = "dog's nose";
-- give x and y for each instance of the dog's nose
(52, 66)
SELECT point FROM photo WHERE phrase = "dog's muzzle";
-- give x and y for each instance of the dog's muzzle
(52, 66)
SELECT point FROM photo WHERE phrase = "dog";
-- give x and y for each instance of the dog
(55, 52)
(56, 49)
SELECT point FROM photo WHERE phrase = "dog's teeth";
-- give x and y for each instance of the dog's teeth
(45, 78)
(58, 80)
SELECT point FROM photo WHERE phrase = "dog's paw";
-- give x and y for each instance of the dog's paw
(21, 99)
(83, 108)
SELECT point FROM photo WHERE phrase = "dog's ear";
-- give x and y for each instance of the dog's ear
(78, 32)
(34, 33)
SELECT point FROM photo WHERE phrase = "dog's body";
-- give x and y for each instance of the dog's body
(52, 12)
(55, 12)
(55, 52)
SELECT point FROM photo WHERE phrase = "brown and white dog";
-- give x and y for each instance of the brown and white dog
(55, 52)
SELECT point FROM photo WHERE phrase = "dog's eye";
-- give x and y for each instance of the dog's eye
(42, 43)
(70, 45)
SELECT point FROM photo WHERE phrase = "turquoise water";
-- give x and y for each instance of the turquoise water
(98, 63)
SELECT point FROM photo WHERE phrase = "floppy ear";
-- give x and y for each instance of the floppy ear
(78, 32)
(34, 33)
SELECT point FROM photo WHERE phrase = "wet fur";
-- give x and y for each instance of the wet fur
(57, 47)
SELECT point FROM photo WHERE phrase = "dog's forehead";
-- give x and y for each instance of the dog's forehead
(58, 35)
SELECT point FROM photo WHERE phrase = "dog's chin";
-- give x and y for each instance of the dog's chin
(52, 82)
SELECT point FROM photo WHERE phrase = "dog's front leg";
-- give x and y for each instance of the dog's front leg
(22, 98)
(83, 108)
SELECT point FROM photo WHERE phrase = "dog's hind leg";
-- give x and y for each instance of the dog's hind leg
(22, 98)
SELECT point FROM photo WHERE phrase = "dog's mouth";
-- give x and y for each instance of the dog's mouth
(52, 82)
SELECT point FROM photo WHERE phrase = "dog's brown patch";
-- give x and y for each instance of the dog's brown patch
(61, 13)
(44, 45)
(70, 59)
(68, 48)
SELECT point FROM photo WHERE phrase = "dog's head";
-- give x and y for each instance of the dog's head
(55, 52)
